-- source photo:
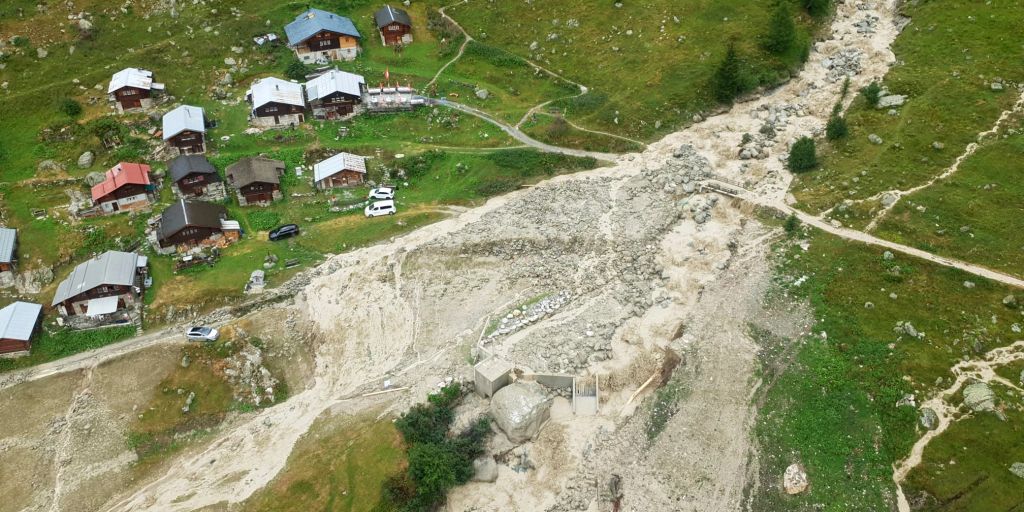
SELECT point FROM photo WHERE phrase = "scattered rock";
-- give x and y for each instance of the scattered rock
(188, 402)
(875, 139)
(94, 178)
(85, 160)
(185, 361)
(888, 256)
(482, 94)
(49, 165)
(1010, 301)
(929, 419)
(938, 146)
(41, 53)
(794, 481)
(888, 199)
(485, 469)
(892, 100)
(1017, 469)
(969, 284)
(979, 397)
(520, 409)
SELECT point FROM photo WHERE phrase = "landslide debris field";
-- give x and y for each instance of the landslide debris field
(746, 360)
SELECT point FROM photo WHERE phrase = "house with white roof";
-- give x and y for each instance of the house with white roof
(341, 170)
(102, 285)
(275, 103)
(185, 130)
(318, 36)
(335, 94)
(19, 322)
(133, 88)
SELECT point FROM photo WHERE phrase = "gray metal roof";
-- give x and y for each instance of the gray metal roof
(183, 165)
(190, 213)
(335, 81)
(338, 163)
(109, 268)
(311, 22)
(8, 236)
(131, 77)
(387, 15)
(18, 320)
(185, 117)
(274, 90)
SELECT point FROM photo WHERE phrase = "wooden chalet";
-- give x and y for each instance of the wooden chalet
(318, 36)
(127, 187)
(257, 180)
(188, 224)
(185, 130)
(394, 25)
(335, 94)
(8, 249)
(275, 103)
(103, 285)
(19, 323)
(133, 88)
(194, 177)
(341, 170)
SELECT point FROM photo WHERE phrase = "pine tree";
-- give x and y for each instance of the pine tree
(803, 156)
(836, 128)
(727, 83)
(781, 31)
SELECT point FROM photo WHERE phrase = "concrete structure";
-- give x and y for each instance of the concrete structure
(335, 94)
(8, 249)
(275, 103)
(341, 170)
(490, 375)
(107, 283)
(185, 130)
(133, 88)
(127, 187)
(19, 322)
(394, 25)
(318, 36)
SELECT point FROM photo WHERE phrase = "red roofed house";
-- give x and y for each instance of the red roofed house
(127, 187)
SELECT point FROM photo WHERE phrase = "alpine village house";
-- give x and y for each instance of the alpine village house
(335, 94)
(186, 225)
(275, 103)
(318, 36)
(133, 88)
(8, 249)
(126, 187)
(257, 180)
(185, 130)
(341, 170)
(19, 322)
(102, 285)
(395, 26)
(194, 177)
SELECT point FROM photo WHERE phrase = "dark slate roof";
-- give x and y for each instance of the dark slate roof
(387, 15)
(190, 213)
(311, 22)
(184, 165)
(254, 169)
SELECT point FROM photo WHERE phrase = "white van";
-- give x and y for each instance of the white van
(379, 208)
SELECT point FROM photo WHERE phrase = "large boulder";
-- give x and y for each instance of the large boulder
(794, 481)
(1017, 469)
(95, 178)
(85, 161)
(520, 409)
(929, 419)
(979, 397)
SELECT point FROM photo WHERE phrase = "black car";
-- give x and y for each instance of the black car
(282, 232)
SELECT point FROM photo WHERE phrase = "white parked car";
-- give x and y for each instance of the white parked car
(202, 334)
(379, 208)
(382, 193)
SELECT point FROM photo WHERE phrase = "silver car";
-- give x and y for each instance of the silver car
(202, 334)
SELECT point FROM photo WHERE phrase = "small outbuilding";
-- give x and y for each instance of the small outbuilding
(257, 180)
(19, 323)
(126, 187)
(8, 249)
(275, 103)
(318, 36)
(394, 24)
(133, 88)
(491, 374)
(185, 130)
(341, 170)
(103, 285)
(189, 224)
(194, 177)
(335, 94)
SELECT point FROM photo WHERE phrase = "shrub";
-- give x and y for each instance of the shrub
(558, 129)
(70, 107)
(792, 224)
(817, 8)
(803, 156)
(836, 128)
(262, 220)
(781, 31)
(846, 88)
(296, 70)
(419, 165)
(727, 83)
(872, 93)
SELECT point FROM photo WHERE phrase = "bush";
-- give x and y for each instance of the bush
(70, 107)
(836, 128)
(727, 83)
(872, 93)
(781, 31)
(803, 156)
(792, 224)
(296, 70)
(419, 165)
(262, 220)
(817, 8)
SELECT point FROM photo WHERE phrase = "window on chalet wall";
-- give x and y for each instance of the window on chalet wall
(326, 42)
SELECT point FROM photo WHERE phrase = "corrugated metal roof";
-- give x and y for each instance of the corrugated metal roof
(338, 163)
(8, 236)
(311, 22)
(101, 306)
(18, 320)
(131, 77)
(387, 15)
(335, 81)
(275, 90)
(109, 268)
(122, 174)
(183, 118)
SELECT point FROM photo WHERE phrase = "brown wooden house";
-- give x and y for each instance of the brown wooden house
(394, 24)
(185, 130)
(188, 224)
(19, 323)
(195, 177)
(133, 88)
(126, 187)
(335, 94)
(341, 170)
(318, 36)
(104, 284)
(257, 180)
(276, 103)
(8, 249)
